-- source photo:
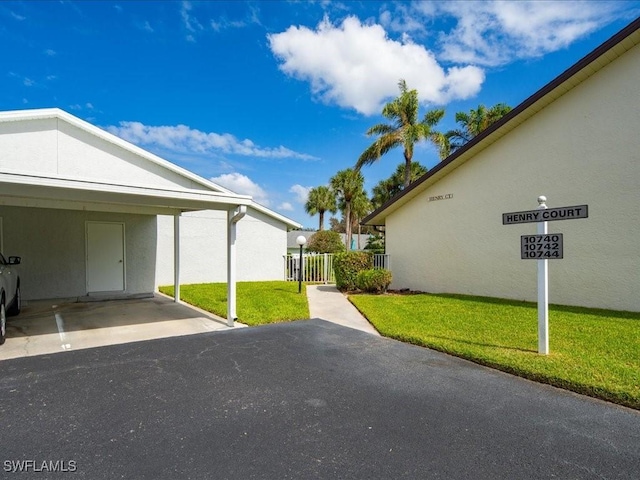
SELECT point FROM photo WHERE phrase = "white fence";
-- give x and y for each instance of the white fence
(319, 267)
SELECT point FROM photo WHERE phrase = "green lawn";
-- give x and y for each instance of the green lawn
(594, 352)
(257, 302)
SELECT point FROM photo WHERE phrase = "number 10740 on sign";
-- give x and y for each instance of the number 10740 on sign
(541, 247)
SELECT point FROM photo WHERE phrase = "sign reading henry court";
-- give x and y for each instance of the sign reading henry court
(546, 215)
(543, 246)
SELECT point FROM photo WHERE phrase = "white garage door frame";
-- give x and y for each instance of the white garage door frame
(105, 247)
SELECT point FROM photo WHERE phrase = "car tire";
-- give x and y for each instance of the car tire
(3, 322)
(16, 304)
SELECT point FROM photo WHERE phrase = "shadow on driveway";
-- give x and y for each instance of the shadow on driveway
(307, 399)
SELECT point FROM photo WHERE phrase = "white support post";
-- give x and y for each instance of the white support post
(176, 258)
(325, 274)
(543, 290)
(233, 217)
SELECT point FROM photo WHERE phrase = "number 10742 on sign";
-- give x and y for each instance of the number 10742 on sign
(541, 247)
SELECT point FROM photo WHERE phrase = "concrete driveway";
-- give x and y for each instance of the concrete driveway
(307, 399)
(45, 327)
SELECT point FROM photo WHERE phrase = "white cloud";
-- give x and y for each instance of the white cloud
(181, 138)
(190, 22)
(285, 207)
(49, 52)
(26, 81)
(243, 185)
(252, 17)
(407, 17)
(358, 66)
(302, 193)
(86, 106)
(492, 33)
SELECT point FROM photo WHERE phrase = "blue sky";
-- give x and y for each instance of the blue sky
(273, 98)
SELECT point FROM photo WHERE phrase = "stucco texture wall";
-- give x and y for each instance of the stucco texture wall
(261, 242)
(52, 244)
(582, 149)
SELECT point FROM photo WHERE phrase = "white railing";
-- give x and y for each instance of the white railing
(319, 267)
(382, 260)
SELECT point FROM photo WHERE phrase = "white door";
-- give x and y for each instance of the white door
(105, 257)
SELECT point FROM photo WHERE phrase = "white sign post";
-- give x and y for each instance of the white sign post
(543, 247)
(543, 289)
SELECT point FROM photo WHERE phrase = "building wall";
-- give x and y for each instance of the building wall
(261, 243)
(52, 244)
(57, 148)
(582, 149)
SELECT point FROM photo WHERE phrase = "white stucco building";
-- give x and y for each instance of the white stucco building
(575, 141)
(93, 215)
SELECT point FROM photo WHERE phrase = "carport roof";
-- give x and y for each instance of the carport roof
(51, 192)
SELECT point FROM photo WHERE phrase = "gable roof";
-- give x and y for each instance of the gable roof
(603, 55)
(227, 196)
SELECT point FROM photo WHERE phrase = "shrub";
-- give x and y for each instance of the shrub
(375, 280)
(325, 241)
(346, 266)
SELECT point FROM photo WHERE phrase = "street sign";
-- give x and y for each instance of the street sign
(546, 215)
(541, 247)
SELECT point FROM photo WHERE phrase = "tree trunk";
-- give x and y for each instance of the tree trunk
(407, 169)
(321, 220)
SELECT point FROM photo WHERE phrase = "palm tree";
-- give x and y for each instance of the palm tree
(405, 129)
(321, 199)
(389, 187)
(360, 207)
(471, 124)
(347, 184)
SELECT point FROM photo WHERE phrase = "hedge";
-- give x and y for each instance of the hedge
(346, 266)
(375, 280)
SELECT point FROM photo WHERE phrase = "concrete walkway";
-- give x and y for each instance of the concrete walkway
(326, 302)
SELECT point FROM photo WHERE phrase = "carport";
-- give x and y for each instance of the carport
(80, 206)
(33, 191)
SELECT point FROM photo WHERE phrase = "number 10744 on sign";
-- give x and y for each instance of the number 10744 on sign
(541, 247)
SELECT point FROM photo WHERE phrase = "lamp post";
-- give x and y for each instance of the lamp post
(300, 241)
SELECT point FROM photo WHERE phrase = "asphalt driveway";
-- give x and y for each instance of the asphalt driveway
(307, 399)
